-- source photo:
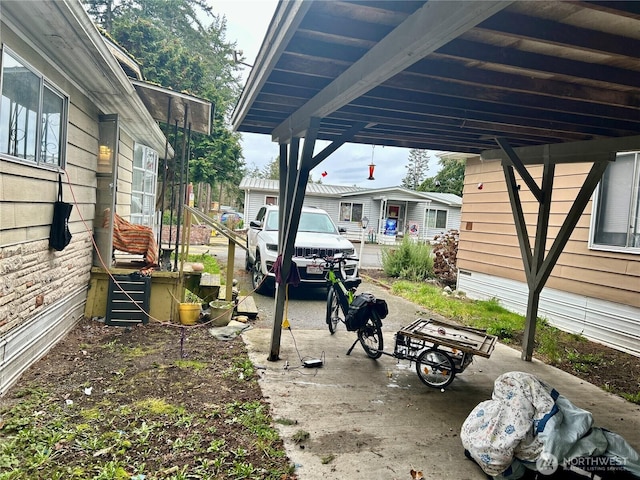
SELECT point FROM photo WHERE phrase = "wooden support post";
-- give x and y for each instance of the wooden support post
(528, 341)
(537, 268)
(293, 183)
(288, 160)
(230, 262)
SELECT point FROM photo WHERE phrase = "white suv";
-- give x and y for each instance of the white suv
(317, 235)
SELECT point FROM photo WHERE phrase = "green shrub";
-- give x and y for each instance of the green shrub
(410, 260)
(502, 330)
(168, 218)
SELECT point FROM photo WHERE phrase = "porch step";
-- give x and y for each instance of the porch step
(204, 285)
(247, 306)
(209, 287)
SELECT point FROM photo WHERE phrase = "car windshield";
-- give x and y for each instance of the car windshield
(309, 222)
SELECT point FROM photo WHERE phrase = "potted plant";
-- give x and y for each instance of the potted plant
(220, 312)
(189, 311)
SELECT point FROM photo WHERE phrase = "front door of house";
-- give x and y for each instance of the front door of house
(394, 220)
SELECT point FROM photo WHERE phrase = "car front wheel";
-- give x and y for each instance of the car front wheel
(259, 279)
(247, 262)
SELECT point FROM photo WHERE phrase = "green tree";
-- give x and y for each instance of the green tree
(180, 44)
(417, 168)
(272, 169)
(449, 179)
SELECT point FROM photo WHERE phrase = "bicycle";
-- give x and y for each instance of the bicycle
(361, 313)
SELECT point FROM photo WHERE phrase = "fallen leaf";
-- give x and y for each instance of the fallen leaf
(416, 475)
(102, 451)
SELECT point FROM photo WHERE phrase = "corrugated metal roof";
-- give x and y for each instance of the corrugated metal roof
(267, 184)
(446, 198)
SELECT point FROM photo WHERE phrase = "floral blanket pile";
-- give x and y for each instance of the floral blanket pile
(529, 426)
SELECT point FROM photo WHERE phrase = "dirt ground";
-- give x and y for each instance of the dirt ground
(161, 402)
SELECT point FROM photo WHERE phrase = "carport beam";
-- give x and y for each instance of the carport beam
(293, 184)
(537, 268)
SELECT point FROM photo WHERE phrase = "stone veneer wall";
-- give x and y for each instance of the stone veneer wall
(32, 277)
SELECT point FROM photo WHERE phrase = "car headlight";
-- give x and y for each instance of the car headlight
(348, 252)
(272, 247)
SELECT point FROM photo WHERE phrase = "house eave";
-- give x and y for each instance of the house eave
(91, 65)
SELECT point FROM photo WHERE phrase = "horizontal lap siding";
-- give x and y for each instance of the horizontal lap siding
(488, 239)
(28, 192)
(34, 278)
(125, 175)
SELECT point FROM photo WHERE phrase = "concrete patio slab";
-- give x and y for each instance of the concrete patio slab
(374, 419)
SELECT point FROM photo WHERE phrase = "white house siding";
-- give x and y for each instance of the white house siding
(354, 229)
(125, 175)
(329, 197)
(594, 292)
(453, 219)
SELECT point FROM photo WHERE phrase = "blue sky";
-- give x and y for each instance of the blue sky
(247, 23)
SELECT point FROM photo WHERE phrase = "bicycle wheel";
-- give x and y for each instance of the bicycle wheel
(435, 368)
(334, 312)
(370, 336)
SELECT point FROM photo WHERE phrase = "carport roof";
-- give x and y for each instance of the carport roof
(447, 76)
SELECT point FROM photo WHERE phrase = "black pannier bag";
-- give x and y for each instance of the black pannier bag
(359, 311)
(60, 236)
(381, 308)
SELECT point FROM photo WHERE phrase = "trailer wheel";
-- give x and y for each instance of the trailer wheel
(435, 368)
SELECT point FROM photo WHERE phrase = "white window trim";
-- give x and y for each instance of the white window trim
(45, 81)
(351, 220)
(436, 209)
(147, 219)
(592, 224)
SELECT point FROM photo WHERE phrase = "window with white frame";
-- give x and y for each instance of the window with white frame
(270, 200)
(436, 218)
(616, 208)
(33, 114)
(350, 212)
(143, 186)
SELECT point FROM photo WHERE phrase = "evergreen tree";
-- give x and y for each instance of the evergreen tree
(416, 168)
(180, 44)
(272, 169)
(450, 178)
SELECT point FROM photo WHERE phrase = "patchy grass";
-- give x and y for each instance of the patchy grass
(151, 414)
(612, 370)
(300, 436)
